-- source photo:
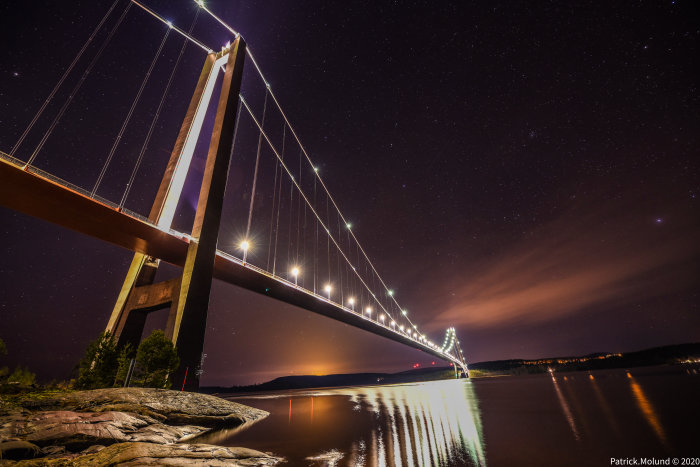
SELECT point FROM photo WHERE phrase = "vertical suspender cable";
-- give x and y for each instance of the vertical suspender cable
(296, 260)
(337, 255)
(87, 71)
(316, 241)
(304, 236)
(328, 238)
(289, 224)
(63, 78)
(255, 172)
(272, 216)
(130, 113)
(279, 202)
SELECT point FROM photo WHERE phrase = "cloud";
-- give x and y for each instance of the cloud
(606, 252)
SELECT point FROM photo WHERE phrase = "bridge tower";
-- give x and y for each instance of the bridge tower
(187, 296)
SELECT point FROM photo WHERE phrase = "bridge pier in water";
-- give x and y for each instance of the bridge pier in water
(187, 296)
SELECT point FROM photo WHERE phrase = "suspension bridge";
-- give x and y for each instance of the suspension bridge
(293, 243)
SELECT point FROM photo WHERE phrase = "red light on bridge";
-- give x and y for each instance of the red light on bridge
(432, 363)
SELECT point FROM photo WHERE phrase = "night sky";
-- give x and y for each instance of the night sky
(524, 171)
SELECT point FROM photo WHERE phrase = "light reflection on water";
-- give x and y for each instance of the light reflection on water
(565, 408)
(646, 408)
(433, 423)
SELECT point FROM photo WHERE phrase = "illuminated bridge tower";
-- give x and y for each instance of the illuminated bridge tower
(187, 296)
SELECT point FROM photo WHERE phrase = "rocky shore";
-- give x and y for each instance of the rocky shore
(131, 426)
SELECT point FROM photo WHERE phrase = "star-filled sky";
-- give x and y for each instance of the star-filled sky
(524, 171)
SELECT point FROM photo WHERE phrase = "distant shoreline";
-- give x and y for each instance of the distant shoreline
(669, 354)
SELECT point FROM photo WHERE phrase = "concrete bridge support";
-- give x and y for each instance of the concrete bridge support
(187, 296)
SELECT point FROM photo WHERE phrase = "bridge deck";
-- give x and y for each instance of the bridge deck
(40, 195)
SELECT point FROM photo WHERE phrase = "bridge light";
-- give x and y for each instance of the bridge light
(295, 273)
(351, 302)
(391, 293)
(382, 318)
(401, 328)
(316, 169)
(393, 323)
(170, 24)
(368, 310)
(328, 289)
(244, 246)
(404, 312)
(348, 225)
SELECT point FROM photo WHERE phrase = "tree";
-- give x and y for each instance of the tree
(98, 367)
(156, 358)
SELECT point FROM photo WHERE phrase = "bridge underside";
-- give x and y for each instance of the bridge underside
(46, 199)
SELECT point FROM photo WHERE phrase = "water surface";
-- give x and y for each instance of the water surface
(574, 418)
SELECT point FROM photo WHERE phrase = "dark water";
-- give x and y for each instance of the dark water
(564, 419)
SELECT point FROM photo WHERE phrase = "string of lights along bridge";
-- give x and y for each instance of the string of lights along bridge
(278, 219)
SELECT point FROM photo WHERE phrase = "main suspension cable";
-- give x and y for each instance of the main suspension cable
(364, 253)
(257, 67)
(323, 185)
(186, 35)
(301, 193)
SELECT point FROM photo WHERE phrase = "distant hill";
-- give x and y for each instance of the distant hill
(352, 379)
(654, 356)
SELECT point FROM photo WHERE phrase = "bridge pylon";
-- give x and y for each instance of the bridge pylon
(187, 296)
